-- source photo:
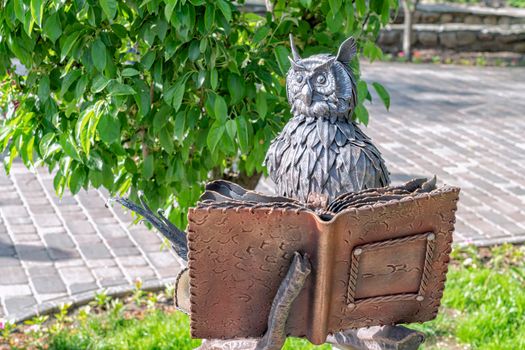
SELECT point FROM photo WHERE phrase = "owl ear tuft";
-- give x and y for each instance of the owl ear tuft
(296, 66)
(347, 51)
(295, 54)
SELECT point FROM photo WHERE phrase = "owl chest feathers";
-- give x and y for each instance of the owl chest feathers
(324, 155)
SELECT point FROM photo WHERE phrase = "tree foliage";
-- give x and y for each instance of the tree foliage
(160, 95)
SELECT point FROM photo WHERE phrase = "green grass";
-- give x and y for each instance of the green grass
(156, 331)
(483, 308)
(484, 301)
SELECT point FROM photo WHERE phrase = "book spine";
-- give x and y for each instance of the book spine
(323, 286)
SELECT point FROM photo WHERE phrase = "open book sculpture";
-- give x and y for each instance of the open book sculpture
(378, 257)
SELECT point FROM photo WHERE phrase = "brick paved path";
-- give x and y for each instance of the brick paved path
(52, 250)
(466, 125)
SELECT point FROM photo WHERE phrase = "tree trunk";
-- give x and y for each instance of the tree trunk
(407, 28)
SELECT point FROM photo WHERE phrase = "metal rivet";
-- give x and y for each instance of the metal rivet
(431, 237)
(351, 305)
(420, 298)
(358, 251)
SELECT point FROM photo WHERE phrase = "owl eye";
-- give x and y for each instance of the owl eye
(321, 79)
(299, 78)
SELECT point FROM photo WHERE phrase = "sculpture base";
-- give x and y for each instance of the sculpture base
(377, 338)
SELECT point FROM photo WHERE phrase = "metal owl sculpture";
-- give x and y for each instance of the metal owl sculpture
(321, 149)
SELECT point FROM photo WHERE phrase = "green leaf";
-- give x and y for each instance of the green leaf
(194, 50)
(109, 7)
(215, 135)
(52, 27)
(77, 179)
(68, 145)
(148, 166)
(261, 105)
(335, 5)
(225, 9)
(180, 125)
(214, 78)
(235, 87)
(98, 54)
(209, 17)
(231, 128)
(383, 94)
(119, 89)
(166, 140)
(43, 89)
(178, 94)
(109, 128)
(361, 114)
(99, 83)
(69, 42)
(81, 86)
(221, 109)
(361, 7)
(45, 145)
(69, 79)
(243, 133)
(168, 10)
(282, 54)
(260, 34)
(362, 91)
(37, 10)
(129, 72)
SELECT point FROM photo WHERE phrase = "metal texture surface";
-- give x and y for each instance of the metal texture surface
(321, 149)
(379, 263)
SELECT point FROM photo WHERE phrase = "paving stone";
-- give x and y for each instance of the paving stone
(95, 251)
(132, 261)
(12, 275)
(107, 272)
(82, 287)
(101, 263)
(22, 229)
(42, 209)
(19, 220)
(14, 211)
(32, 253)
(47, 220)
(14, 290)
(163, 259)
(80, 227)
(112, 231)
(125, 251)
(7, 249)
(76, 274)
(144, 273)
(9, 261)
(49, 284)
(17, 303)
(59, 240)
(88, 238)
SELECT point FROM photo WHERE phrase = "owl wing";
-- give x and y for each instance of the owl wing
(360, 163)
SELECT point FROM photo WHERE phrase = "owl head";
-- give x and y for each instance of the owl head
(322, 85)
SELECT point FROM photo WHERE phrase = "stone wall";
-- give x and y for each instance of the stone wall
(449, 13)
(460, 28)
(457, 37)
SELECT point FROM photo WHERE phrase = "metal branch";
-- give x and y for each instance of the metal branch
(289, 289)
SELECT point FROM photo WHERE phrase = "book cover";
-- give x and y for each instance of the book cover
(379, 257)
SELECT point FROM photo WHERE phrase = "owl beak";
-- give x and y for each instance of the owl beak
(307, 94)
